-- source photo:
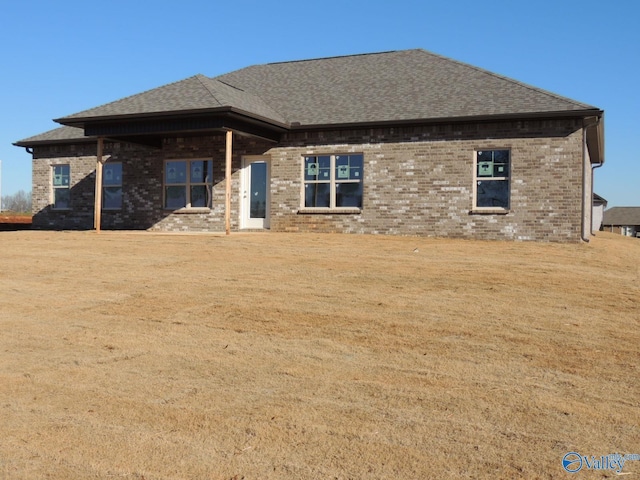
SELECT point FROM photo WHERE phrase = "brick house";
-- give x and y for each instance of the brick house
(597, 212)
(622, 220)
(404, 142)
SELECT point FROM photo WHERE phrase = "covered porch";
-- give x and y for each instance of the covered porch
(189, 171)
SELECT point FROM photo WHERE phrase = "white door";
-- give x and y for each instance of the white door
(255, 192)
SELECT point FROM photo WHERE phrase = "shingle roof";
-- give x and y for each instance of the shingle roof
(622, 216)
(194, 93)
(60, 134)
(391, 86)
(379, 87)
(400, 86)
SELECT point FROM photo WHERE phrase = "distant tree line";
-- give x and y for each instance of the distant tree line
(19, 202)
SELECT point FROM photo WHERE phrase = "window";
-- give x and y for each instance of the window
(492, 180)
(188, 184)
(112, 186)
(333, 181)
(61, 187)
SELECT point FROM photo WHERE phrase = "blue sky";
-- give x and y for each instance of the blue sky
(62, 57)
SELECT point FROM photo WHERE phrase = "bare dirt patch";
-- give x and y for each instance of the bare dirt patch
(298, 356)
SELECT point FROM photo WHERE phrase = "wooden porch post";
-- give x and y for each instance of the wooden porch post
(97, 212)
(227, 204)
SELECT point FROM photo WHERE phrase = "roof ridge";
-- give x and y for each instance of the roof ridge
(217, 79)
(509, 79)
(336, 56)
(200, 78)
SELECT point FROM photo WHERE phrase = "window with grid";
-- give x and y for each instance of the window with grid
(492, 172)
(333, 181)
(61, 183)
(112, 186)
(188, 184)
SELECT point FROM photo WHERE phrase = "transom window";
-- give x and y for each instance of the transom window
(492, 179)
(112, 186)
(333, 181)
(61, 183)
(188, 184)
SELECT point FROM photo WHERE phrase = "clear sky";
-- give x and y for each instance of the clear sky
(59, 58)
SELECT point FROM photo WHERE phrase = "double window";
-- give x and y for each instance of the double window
(61, 182)
(333, 181)
(492, 170)
(187, 184)
(112, 186)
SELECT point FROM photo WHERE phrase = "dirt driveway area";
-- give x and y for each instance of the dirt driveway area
(295, 356)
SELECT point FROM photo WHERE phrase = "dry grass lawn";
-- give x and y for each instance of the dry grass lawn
(295, 356)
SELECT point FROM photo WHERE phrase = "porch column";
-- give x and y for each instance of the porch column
(97, 212)
(227, 176)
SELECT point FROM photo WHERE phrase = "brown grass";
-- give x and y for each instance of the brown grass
(264, 356)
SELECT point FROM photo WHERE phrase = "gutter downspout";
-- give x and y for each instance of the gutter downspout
(584, 179)
(592, 169)
(597, 166)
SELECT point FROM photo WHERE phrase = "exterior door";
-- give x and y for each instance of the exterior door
(255, 192)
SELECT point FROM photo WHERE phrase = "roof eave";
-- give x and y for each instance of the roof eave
(595, 140)
(80, 122)
(59, 141)
(459, 119)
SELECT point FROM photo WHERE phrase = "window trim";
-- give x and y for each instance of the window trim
(59, 187)
(333, 181)
(187, 208)
(490, 210)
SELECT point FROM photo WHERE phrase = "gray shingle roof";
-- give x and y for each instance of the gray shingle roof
(59, 134)
(384, 87)
(622, 216)
(194, 93)
(391, 86)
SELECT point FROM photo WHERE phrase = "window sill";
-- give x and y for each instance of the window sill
(187, 211)
(489, 211)
(324, 211)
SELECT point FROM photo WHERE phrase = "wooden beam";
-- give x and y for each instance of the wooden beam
(227, 176)
(97, 211)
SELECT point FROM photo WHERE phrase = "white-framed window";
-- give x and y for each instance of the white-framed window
(187, 184)
(112, 186)
(333, 181)
(491, 180)
(61, 185)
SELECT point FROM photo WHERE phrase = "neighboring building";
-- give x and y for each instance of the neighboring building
(599, 204)
(404, 142)
(622, 220)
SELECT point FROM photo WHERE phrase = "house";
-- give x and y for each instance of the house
(622, 220)
(403, 142)
(599, 204)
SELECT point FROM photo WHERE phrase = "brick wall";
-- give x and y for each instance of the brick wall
(417, 181)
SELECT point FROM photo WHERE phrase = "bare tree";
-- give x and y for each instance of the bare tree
(19, 202)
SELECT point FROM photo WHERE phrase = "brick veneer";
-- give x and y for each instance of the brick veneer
(417, 181)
